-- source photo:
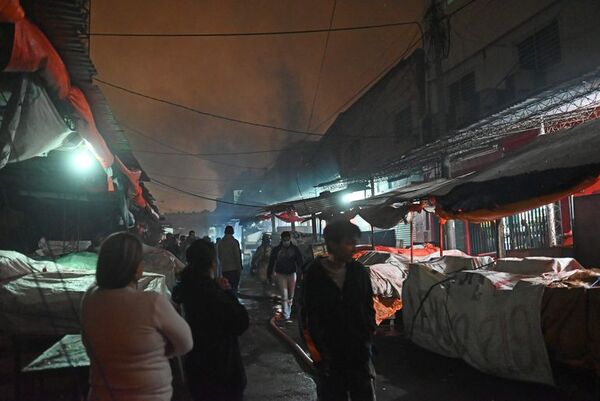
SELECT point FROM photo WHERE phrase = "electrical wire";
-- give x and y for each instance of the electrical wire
(183, 191)
(236, 120)
(204, 179)
(207, 114)
(258, 33)
(321, 64)
(188, 154)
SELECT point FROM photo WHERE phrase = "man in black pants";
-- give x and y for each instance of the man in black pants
(339, 318)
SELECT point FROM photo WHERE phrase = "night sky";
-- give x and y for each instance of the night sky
(267, 79)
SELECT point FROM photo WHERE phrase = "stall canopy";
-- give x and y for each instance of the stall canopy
(25, 49)
(544, 171)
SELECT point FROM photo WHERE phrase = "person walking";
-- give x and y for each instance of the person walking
(214, 367)
(260, 261)
(339, 319)
(129, 335)
(285, 261)
(230, 258)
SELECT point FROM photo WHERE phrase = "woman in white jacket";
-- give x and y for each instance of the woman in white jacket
(129, 334)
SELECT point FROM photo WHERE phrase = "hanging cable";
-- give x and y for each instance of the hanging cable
(184, 153)
(183, 191)
(322, 63)
(241, 34)
(204, 113)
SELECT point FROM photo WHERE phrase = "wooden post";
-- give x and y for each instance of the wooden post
(500, 251)
(293, 223)
(313, 223)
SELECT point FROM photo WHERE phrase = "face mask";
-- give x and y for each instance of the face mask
(287, 243)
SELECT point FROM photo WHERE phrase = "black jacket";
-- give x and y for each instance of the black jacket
(217, 319)
(340, 323)
(287, 265)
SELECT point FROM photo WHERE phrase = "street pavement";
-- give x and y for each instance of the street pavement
(273, 372)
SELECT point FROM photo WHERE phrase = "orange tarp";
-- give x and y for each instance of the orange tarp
(385, 308)
(33, 52)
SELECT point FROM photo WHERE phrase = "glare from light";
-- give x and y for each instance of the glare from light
(82, 160)
(346, 198)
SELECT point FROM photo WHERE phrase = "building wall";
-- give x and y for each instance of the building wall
(485, 37)
(392, 110)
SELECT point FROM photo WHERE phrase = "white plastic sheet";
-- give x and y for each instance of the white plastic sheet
(490, 319)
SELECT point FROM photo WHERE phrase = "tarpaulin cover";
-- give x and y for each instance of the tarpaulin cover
(383, 216)
(491, 319)
(570, 323)
(289, 217)
(31, 125)
(69, 352)
(156, 260)
(388, 268)
(385, 308)
(161, 261)
(544, 171)
(33, 52)
(11, 11)
(48, 303)
(79, 260)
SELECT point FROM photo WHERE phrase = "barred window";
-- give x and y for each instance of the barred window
(542, 49)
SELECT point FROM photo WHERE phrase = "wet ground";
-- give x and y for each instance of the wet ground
(273, 372)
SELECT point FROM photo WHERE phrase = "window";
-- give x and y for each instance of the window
(403, 124)
(464, 101)
(541, 50)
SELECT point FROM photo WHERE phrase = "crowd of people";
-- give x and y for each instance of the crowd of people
(130, 335)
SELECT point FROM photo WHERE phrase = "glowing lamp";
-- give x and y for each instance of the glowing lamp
(82, 160)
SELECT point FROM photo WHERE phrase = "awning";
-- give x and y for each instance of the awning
(546, 170)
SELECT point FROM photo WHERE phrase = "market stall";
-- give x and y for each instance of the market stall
(512, 318)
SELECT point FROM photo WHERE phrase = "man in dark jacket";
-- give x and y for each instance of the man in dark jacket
(214, 367)
(339, 318)
(285, 260)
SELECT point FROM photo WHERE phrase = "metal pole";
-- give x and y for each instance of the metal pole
(551, 225)
(441, 238)
(412, 237)
(372, 229)
(273, 224)
(313, 223)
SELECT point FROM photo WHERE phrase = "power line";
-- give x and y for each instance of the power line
(202, 179)
(207, 114)
(235, 120)
(184, 153)
(314, 101)
(258, 33)
(183, 191)
(178, 152)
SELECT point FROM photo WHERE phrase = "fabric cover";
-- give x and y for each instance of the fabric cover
(490, 319)
(48, 303)
(31, 125)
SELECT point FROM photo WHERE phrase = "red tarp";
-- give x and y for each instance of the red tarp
(33, 52)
